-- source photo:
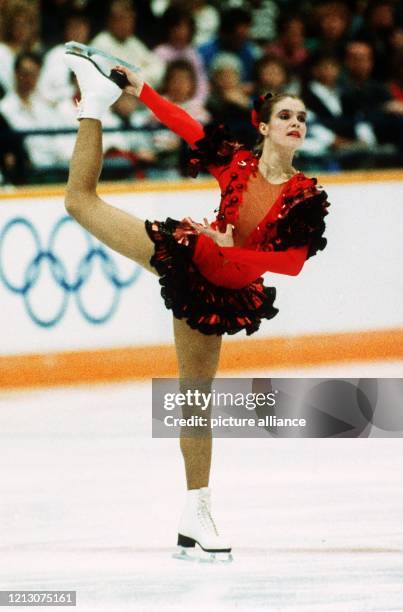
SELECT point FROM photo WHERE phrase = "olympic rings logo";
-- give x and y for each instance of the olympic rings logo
(58, 271)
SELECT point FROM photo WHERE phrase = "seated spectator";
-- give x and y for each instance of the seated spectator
(229, 101)
(24, 109)
(271, 75)
(53, 14)
(206, 18)
(131, 145)
(332, 25)
(234, 37)
(370, 100)
(289, 45)
(178, 27)
(322, 96)
(179, 86)
(377, 29)
(55, 82)
(264, 20)
(119, 40)
(20, 27)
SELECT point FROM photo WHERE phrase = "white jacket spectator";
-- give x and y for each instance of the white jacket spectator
(24, 109)
(55, 82)
(119, 40)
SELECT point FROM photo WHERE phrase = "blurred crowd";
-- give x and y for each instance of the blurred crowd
(212, 58)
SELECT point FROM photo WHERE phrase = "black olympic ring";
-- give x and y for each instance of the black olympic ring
(59, 273)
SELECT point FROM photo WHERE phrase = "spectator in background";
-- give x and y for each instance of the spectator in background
(179, 86)
(377, 30)
(206, 18)
(131, 145)
(55, 82)
(119, 40)
(323, 96)
(179, 27)
(332, 25)
(289, 45)
(368, 100)
(264, 17)
(25, 109)
(234, 37)
(271, 75)
(229, 101)
(20, 30)
(54, 12)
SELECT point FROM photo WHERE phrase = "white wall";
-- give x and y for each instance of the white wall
(355, 284)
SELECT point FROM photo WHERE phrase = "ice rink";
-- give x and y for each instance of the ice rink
(90, 502)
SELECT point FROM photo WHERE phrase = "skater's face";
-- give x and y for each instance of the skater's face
(287, 124)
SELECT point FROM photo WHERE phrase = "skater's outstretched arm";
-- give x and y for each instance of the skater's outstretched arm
(171, 115)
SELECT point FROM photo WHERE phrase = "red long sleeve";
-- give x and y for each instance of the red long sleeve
(172, 116)
(235, 267)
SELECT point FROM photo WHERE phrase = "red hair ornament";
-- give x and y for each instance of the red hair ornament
(257, 105)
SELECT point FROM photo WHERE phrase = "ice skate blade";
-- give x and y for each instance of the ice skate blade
(203, 557)
(94, 54)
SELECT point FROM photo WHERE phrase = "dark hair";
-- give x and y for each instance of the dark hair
(321, 56)
(24, 55)
(179, 64)
(76, 15)
(232, 18)
(284, 19)
(173, 16)
(270, 58)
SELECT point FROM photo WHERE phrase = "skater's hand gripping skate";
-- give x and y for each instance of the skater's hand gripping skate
(134, 81)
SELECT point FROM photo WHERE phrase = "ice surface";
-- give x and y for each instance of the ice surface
(90, 502)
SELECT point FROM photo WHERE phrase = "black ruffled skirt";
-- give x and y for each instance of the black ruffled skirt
(206, 307)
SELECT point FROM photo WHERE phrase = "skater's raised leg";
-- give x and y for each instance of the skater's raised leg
(117, 229)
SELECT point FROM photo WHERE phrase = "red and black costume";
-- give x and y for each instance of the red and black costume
(219, 289)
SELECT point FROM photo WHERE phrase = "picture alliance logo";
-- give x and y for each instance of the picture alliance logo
(335, 407)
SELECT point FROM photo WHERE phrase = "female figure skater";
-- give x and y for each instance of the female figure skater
(210, 274)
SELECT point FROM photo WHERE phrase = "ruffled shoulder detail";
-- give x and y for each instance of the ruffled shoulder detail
(300, 220)
(216, 148)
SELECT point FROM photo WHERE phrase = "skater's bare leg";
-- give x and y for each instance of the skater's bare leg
(119, 230)
(198, 356)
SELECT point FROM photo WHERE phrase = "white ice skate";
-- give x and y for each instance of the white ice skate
(197, 527)
(103, 62)
(98, 90)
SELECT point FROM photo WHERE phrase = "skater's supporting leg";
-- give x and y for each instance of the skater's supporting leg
(119, 230)
(198, 357)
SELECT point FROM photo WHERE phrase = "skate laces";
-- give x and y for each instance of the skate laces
(204, 514)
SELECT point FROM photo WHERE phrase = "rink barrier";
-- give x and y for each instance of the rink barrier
(366, 176)
(131, 363)
(60, 367)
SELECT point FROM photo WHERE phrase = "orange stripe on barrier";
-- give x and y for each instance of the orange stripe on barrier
(238, 356)
(368, 176)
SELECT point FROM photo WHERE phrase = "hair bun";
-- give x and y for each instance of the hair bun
(257, 105)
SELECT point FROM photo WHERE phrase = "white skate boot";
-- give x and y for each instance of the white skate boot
(197, 527)
(98, 91)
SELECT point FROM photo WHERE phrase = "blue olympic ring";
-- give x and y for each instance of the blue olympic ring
(59, 273)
